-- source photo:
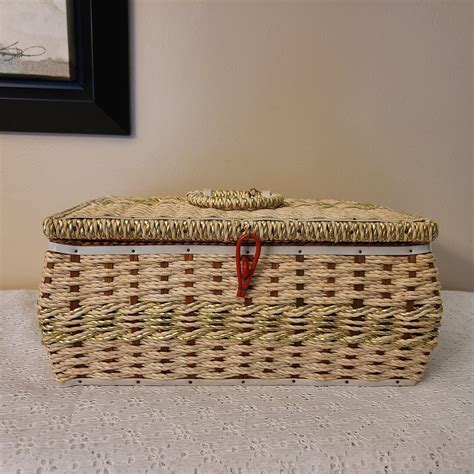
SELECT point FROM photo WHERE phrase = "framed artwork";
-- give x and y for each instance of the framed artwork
(64, 66)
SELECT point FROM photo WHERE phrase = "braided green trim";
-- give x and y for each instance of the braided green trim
(391, 326)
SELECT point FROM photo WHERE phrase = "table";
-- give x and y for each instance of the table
(238, 429)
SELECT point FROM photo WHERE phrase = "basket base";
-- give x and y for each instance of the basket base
(258, 382)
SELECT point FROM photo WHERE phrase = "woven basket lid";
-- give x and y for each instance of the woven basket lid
(222, 216)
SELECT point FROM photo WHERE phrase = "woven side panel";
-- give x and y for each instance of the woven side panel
(177, 316)
(210, 360)
(380, 281)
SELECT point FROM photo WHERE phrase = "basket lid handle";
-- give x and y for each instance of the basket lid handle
(235, 200)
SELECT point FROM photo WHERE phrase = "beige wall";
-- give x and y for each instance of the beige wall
(345, 99)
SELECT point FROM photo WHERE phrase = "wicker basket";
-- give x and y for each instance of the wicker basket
(238, 287)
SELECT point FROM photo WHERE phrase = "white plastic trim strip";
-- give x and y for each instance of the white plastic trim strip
(230, 249)
(258, 382)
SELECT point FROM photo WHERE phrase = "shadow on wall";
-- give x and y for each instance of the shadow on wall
(461, 263)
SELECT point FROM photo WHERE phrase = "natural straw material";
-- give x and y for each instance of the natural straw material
(172, 316)
(236, 200)
(176, 316)
(295, 220)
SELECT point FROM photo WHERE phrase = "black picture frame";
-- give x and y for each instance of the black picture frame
(97, 100)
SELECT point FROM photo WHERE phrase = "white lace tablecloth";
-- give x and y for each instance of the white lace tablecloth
(46, 428)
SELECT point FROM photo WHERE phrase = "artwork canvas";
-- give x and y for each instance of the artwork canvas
(58, 71)
(36, 40)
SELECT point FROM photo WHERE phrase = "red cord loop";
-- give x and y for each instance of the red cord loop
(245, 270)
